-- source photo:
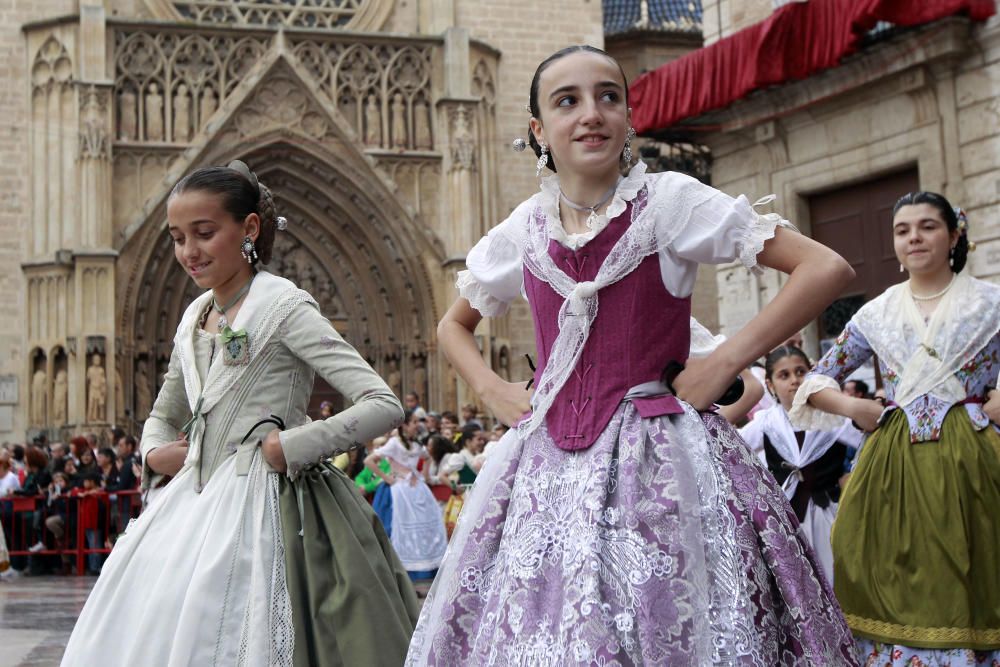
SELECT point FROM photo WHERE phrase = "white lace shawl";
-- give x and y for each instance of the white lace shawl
(926, 356)
(774, 423)
(270, 300)
(674, 205)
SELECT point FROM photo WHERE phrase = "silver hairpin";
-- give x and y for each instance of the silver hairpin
(519, 145)
(281, 223)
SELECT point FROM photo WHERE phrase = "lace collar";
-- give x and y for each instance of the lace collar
(626, 191)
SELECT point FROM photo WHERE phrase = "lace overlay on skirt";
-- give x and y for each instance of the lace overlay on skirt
(663, 543)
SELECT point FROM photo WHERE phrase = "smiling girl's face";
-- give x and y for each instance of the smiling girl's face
(921, 238)
(584, 117)
(207, 239)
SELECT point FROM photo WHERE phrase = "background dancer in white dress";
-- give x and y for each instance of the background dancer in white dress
(418, 532)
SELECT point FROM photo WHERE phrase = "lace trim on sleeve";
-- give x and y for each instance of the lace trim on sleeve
(760, 231)
(807, 418)
(477, 296)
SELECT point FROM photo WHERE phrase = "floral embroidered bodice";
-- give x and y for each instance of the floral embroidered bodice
(926, 414)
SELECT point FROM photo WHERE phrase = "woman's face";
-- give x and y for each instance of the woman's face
(70, 467)
(921, 239)
(786, 377)
(87, 457)
(584, 118)
(103, 460)
(207, 239)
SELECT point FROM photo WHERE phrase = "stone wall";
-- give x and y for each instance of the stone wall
(722, 18)
(525, 32)
(15, 194)
(924, 98)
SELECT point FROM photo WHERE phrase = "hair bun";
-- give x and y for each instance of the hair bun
(241, 167)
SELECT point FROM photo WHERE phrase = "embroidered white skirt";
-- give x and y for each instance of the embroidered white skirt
(197, 579)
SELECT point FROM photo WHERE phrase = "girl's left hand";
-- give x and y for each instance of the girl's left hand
(273, 454)
(702, 382)
(992, 406)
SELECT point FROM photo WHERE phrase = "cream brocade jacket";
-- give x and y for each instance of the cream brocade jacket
(290, 341)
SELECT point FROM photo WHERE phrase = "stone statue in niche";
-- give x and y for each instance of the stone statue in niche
(463, 143)
(182, 114)
(143, 396)
(93, 134)
(154, 114)
(394, 378)
(119, 395)
(208, 105)
(127, 119)
(97, 391)
(503, 364)
(325, 294)
(60, 392)
(422, 127)
(419, 382)
(373, 123)
(398, 121)
(308, 277)
(39, 398)
(449, 392)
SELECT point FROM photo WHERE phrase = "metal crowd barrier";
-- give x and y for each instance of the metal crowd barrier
(89, 521)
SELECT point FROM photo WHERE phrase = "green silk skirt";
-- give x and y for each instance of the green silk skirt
(352, 601)
(916, 541)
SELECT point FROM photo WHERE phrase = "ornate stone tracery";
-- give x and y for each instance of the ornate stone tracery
(300, 13)
(382, 90)
(170, 65)
(348, 129)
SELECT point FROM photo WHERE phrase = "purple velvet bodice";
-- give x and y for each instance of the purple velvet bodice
(639, 328)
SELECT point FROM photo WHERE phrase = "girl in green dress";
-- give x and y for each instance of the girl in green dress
(916, 538)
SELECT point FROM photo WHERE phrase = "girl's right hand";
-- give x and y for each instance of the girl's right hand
(866, 413)
(508, 401)
(168, 459)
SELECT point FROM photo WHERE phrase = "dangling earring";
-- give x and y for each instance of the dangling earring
(248, 250)
(951, 257)
(900, 267)
(543, 160)
(627, 153)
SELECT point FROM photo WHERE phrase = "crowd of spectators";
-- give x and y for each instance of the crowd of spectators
(49, 490)
(456, 448)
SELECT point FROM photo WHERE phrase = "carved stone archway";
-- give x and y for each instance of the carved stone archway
(351, 241)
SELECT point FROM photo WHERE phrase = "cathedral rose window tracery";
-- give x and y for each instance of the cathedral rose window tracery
(294, 13)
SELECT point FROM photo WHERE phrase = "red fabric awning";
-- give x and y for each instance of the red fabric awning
(796, 41)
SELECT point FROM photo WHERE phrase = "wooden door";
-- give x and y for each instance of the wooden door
(856, 221)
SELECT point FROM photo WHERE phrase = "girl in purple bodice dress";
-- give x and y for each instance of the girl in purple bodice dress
(622, 522)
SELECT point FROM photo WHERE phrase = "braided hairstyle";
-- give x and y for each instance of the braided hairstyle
(960, 253)
(242, 194)
(533, 94)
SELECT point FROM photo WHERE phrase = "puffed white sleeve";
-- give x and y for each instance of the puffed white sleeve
(702, 225)
(494, 276)
(703, 341)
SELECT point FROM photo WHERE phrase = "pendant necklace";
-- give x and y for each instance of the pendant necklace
(221, 310)
(592, 218)
(931, 297)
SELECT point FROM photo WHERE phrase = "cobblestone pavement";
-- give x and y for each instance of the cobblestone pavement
(37, 616)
